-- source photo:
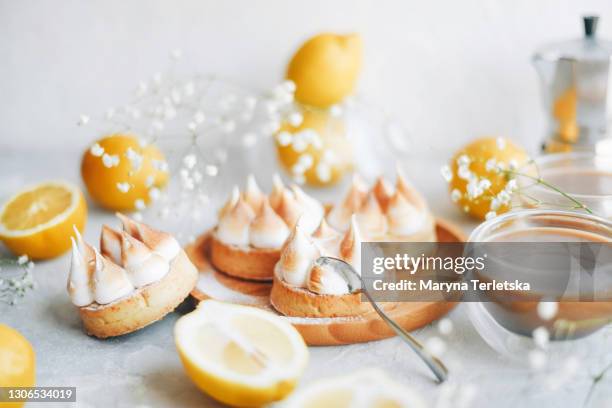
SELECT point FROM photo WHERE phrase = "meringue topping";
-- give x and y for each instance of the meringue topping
(143, 266)
(129, 225)
(297, 257)
(231, 202)
(110, 244)
(233, 227)
(97, 277)
(370, 217)
(409, 192)
(312, 210)
(327, 239)
(160, 242)
(267, 230)
(340, 215)
(325, 280)
(84, 248)
(324, 231)
(383, 192)
(350, 247)
(252, 194)
(110, 281)
(403, 217)
(276, 195)
(79, 287)
(289, 209)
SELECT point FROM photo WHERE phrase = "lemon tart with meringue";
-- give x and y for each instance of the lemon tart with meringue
(384, 212)
(138, 276)
(253, 226)
(304, 288)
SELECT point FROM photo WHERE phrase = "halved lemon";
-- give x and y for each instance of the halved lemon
(38, 220)
(17, 362)
(370, 388)
(240, 355)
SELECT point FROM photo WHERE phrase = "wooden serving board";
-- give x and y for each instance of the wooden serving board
(213, 284)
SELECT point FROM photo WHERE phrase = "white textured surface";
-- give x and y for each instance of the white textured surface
(143, 369)
(450, 70)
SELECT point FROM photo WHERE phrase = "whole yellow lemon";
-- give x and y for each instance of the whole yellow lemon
(17, 362)
(316, 150)
(121, 174)
(325, 68)
(476, 183)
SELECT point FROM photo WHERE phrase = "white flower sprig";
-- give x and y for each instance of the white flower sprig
(15, 278)
(478, 187)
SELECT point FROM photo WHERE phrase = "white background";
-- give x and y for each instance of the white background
(450, 70)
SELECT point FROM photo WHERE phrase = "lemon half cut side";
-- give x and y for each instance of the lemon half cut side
(38, 221)
(240, 355)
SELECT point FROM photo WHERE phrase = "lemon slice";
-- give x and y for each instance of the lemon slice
(38, 221)
(369, 388)
(240, 355)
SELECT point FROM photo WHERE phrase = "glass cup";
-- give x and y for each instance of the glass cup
(586, 176)
(518, 327)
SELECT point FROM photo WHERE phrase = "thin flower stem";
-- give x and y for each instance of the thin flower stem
(552, 187)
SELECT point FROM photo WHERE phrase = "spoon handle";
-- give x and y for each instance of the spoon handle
(434, 364)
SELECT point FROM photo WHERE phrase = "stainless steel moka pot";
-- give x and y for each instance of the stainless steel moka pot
(575, 76)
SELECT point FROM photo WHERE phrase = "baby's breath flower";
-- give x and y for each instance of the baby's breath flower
(299, 143)
(288, 85)
(283, 138)
(154, 193)
(512, 164)
(149, 181)
(464, 172)
(495, 204)
(96, 150)
(295, 119)
(22, 260)
(511, 186)
(135, 158)
(491, 165)
(447, 174)
(484, 184)
(455, 195)
(463, 160)
(211, 170)
(323, 171)
(124, 187)
(140, 204)
(473, 189)
(504, 197)
(110, 160)
(501, 143)
(160, 165)
(190, 161)
(335, 110)
(306, 160)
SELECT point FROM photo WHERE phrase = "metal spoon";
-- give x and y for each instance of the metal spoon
(355, 283)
